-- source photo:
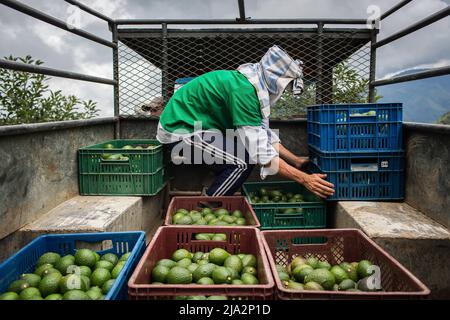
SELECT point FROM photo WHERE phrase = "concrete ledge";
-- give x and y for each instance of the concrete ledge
(419, 243)
(90, 214)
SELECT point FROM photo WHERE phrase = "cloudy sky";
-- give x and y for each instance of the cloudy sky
(21, 35)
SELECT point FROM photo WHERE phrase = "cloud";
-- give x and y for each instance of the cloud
(439, 64)
(54, 39)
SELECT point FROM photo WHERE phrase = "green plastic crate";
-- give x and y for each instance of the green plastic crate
(141, 175)
(313, 215)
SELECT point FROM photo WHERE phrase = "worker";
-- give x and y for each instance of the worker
(222, 119)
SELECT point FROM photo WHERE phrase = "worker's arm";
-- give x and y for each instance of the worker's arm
(285, 154)
(256, 141)
(289, 157)
(315, 183)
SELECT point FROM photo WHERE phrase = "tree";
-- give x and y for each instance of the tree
(348, 87)
(26, 98)
(444, 119)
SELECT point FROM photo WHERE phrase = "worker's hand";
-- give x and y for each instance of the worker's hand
(301, 163)
(317, 184)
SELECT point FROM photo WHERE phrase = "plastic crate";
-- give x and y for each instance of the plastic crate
(118, 243)
(355, 127)
(341, 245)
(229, 203)
(169, 239)
(362, 176)
(141, 175)
(271, 215)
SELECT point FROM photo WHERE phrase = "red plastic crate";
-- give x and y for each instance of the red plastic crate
(169, 239)
(341, 245)
(229, 203)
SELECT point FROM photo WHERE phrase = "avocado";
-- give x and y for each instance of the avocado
(297, 261)
(323, 277)
(292, 285)
(347, 284)
(363, 269)
(323, 265)
(313, 286)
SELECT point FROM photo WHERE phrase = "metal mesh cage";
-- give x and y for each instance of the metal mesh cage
(152, 62)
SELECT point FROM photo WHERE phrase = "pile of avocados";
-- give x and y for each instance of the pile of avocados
(275, 196)
(121, 157)
(216, 267)
(316, 275)
(209, 217)
(83, 276)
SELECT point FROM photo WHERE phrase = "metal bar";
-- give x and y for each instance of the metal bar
(437, 72)
(373, 66)
(16, 5)
(293, 32)
(18, 66)
(165, 63)
(115, 39)
(230, 21)
(52, 126)
(242, 16)
(395, 8)
(417, 26)
(90, 10)
(320, 86)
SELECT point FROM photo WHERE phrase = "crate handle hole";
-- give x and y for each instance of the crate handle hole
(210, 204)
(309, 241)
(364, 164)
(95, 246)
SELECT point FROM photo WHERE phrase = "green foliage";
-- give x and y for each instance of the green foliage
(348, 87)
(26, 98)
(445, 119)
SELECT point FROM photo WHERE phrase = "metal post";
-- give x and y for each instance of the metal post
(373, 65)
(117, 133)
(241, 5)
(165, 63)
(319, 86)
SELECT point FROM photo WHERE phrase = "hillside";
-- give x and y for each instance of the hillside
(424, 100)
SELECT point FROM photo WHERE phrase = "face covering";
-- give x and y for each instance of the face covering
(272, 75)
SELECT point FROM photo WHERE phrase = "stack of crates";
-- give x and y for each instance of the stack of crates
(360, 149)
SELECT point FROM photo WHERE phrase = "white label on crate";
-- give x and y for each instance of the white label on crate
(364, 167)
(385, 164)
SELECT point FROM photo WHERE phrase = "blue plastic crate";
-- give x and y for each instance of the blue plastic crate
(362, 176)
(118, 243)
(355, 127)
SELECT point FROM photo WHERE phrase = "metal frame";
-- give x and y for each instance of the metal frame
(89, 10)
(238, 21)
(395, 8)
(16, 5)
(241, 20)
(18, 66)
(416, 26)
(407, 31)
